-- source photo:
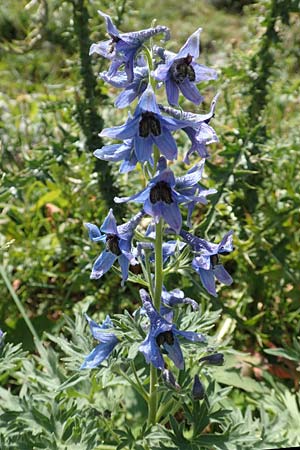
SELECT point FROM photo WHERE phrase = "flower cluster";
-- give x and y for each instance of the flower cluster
(147, 139)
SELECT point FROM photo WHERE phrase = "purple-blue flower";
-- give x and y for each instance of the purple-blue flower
(180, 72)
(161, 200)
(122, 48)
(198, 129)
(148, 127)
(108, 341)
(132, 89)
(164, 193)
(118, 244)
(206, 262)
(162, 336)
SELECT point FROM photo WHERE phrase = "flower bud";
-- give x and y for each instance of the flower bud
(198, 391)
(216, 359)
(169, 378)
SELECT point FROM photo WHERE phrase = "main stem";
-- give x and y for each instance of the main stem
(156, 300)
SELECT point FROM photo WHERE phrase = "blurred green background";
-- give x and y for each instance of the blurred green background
(52, 108)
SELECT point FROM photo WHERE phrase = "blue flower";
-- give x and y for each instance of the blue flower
(122, 48)
(162, 337)
(131, 90)
(119, 152)
(207, 263)
(118, 244)
(180, 72)
(148, 127)
(108, 341)
(198, 129)
(161, 199)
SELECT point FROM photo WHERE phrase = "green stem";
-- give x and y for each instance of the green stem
(20, 307)
(158, 264)
(150, 66)
(156, 300)
(149, 274)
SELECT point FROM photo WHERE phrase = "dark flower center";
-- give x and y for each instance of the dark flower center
(112, 244)
(149, 124)
(165, 337)
(112, 44)
(182, 69)
(214, 260)
(161, 191)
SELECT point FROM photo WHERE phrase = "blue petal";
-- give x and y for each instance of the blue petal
(196, 243)
(154, 209)
(172, 92)
(222, 275)
(126, 230)
(202, 262)
(126, 131)
(113, 152)
(191, 335)
(98, 355)
(172, 215)
(97, 330)
(167, 176)
(190, 91)
(166, 144)
(143, 148)
(151, 352)
(148, 208)
(102, 264)
(203, 73)
(101, 48)
(162, 71)
(109, 225)
(126, 97)
(140, 197)
(191, 47)
(192, 177)
(94, 232)
(124, 264)
(170, 247)
(208, 281)
(110, 27)
(119, 80)
(147, 102)
(206, 134)
(175, 353)
(226, 243)
(128, 164)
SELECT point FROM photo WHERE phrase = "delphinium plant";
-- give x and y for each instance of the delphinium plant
(163, 348)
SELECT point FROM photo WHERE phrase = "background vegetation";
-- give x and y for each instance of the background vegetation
(52, 108)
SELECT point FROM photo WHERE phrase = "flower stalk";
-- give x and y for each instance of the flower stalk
(152, 408)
